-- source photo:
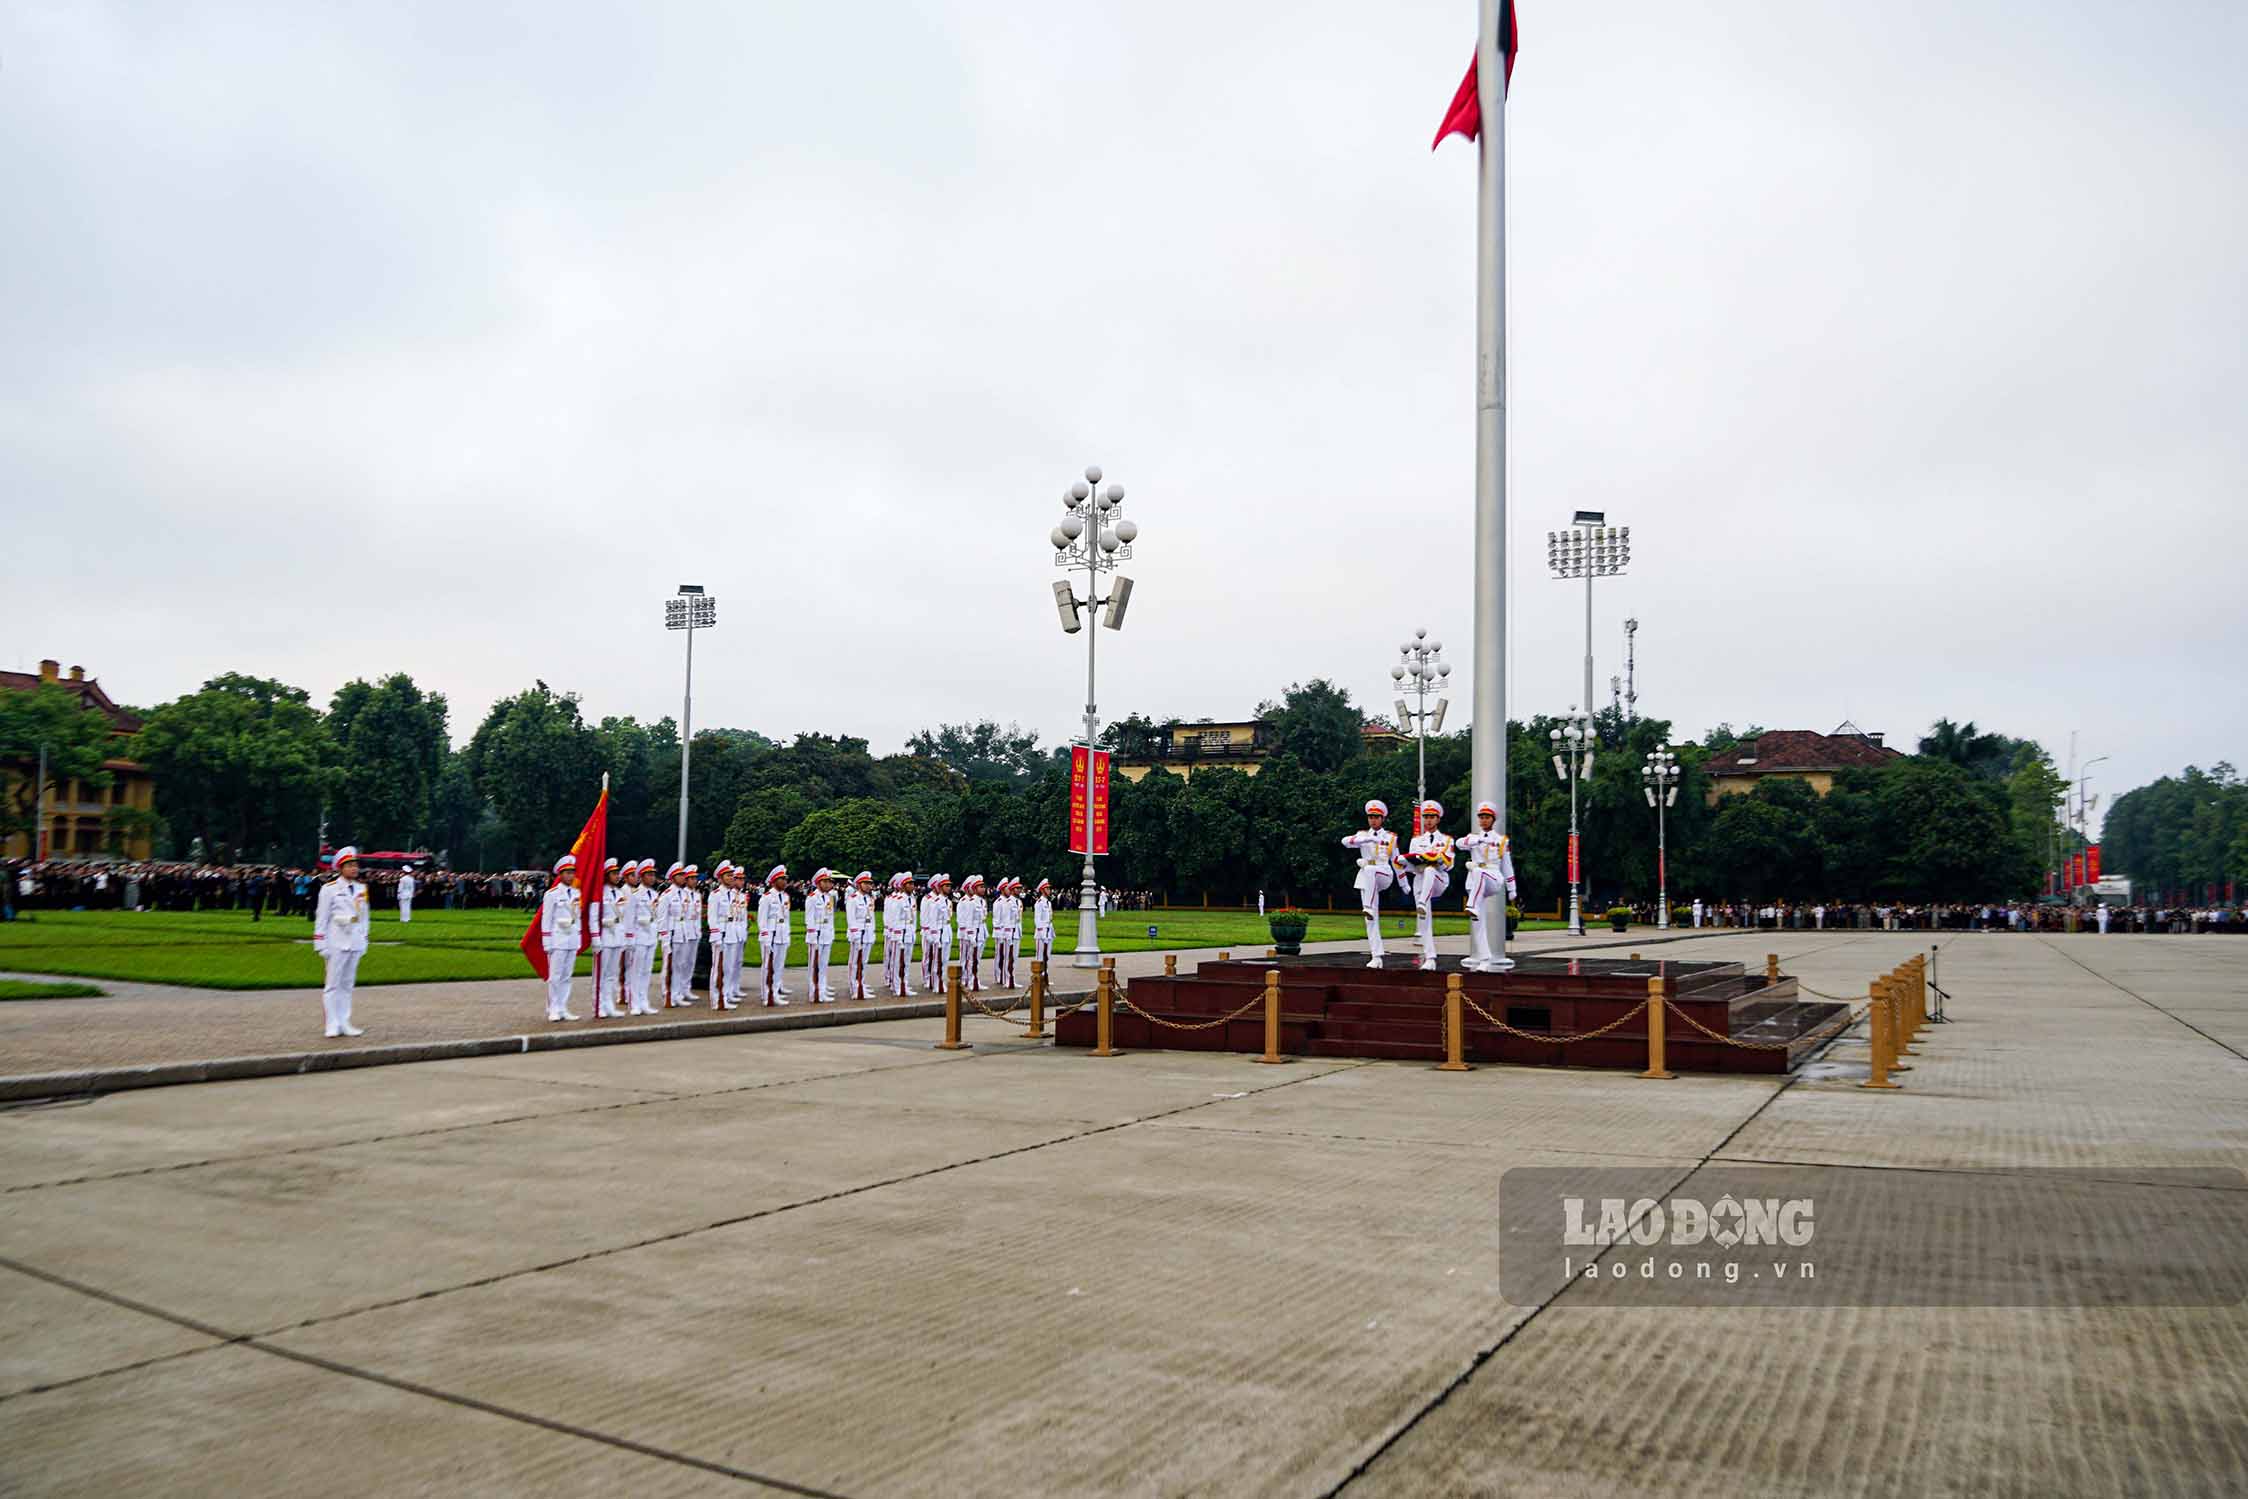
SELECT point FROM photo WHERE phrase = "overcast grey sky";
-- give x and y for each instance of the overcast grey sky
(1908, 338)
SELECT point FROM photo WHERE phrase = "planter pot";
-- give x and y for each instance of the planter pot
(1513, 925)
(1620, 923)
(1287, 949)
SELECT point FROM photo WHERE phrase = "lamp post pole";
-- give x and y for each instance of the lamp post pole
(1573, 744)
(1659, 779)
(690, 610)
(1093, 534)
(1421, 659)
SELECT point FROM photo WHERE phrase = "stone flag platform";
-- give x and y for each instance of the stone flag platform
(1333, 1005)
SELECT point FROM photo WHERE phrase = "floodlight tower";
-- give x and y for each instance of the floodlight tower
(690, 610)
(1590, 548)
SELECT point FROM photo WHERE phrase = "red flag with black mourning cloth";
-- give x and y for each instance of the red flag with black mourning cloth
(1465, 117)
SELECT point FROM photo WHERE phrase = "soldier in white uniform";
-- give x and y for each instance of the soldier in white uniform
(723, 910)
(970, 913)
(339, 938)
(640, 962)
(1490, 875)
(1697, 910)
(858, 931)
(772, 933)
(683, 923)
(819, 933)
(1042, 924)
(1377, 871)
(406, 894)
(936, 932)
(897, 933)
(1006, 931)
(1431, 857)
(561, 922)
(607, 917)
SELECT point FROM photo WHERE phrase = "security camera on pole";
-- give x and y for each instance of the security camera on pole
(1419, 660)
(1659, 779)
(1094, 535)
(690, 610)
(1573, 744)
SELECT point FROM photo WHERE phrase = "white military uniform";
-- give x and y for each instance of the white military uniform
(772, 939)
(1490, 875)
(819, 938)
(858, 933)
(1042, 927)
(738, 912)
(609, 909)
(684, 923)
(1006, 934)
(936, 936)
(640, 951)
(1377, 871)
(972, 911)
(1430, 880)
(339, 936)
(561, 923)
(725, 953)
(897, 936)
(406, 896)
(1697, 910)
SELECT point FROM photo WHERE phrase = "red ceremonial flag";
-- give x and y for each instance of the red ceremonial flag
(1466, 114)
(2092, 865)
(592, 849)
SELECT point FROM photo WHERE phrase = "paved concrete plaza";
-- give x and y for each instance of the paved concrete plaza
(838, 1261)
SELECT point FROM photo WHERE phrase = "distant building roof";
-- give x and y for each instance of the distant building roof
(1799, 750)
(87, 688)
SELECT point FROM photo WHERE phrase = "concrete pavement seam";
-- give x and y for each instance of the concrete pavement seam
(2142, 999)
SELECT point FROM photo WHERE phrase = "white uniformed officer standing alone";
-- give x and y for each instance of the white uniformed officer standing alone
(406, 894)
(339, 936)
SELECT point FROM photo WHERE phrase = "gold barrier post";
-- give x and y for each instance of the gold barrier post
(1104, 1014)
(1919, 991)
(1037, 1031)
(1772, 967)
(1224, 956)
(1900, 1015)
(1455, 1041)
(1272, 952)
(1877, 1034)
(952, 1041)
(1170, 965)
(1658, 989)
(1272, 1018)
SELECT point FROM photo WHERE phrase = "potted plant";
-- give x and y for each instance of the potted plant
(1288, 925)
(1619, 917)
(1513, 920)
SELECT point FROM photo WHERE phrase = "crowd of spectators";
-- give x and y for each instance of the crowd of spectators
(260, 889)
(1986, 916)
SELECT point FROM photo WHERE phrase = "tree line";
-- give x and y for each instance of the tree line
(251, 769)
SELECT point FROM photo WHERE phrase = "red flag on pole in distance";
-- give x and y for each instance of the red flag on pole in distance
(1466, 113)
(592, 848)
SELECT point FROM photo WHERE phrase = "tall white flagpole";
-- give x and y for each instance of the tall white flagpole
(1488, 762)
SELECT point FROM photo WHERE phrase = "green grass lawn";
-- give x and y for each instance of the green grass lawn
(227, 950)
(25, 989)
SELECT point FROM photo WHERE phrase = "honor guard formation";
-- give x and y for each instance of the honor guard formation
(1424, 869)
(644, 932)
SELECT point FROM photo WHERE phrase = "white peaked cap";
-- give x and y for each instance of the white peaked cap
(777, 872)
(1433, 805)
(348, 851)
(1378, 805)
(863, 877)
(567, 861)
(676, 868)
(1483, 807)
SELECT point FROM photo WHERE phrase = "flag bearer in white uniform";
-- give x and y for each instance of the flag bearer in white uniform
(1042, 924)
(1377, 871)
(897, 935)
(971, 913)
(858, 931)
(640, 955)
(772, 933)
(1006, 931)
(1431, 857)
(714, 931)
(406, 895)
(936, 932)
(339, 938)
(1490, 875)
(561, 922)
(819, 933)
(608, 941)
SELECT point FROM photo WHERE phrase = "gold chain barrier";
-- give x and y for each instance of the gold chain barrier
(1497, 1024)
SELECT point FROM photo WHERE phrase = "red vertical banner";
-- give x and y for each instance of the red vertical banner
(1096, 802)
(1662, 874)
(1573, 859)
(2092, 865)
(1080, 799)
